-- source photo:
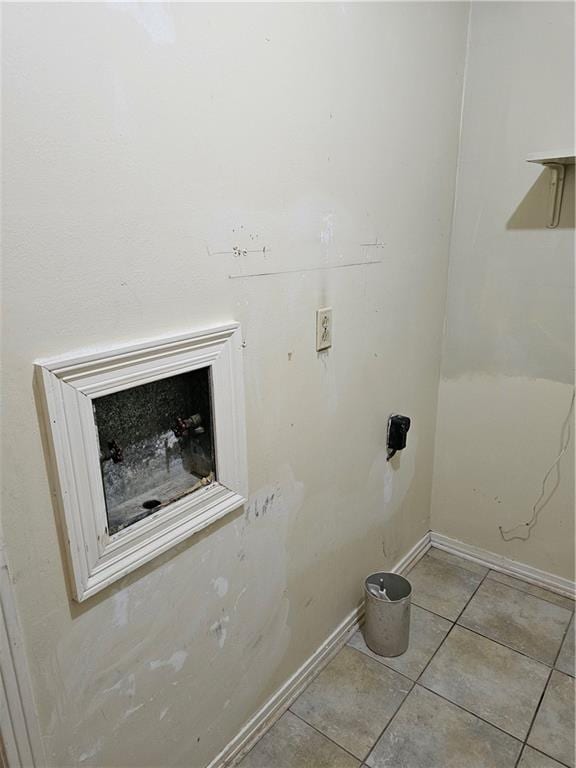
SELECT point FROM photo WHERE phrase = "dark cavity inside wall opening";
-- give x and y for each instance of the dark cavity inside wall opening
(156, 445)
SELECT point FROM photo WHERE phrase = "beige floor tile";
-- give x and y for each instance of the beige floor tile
(429, 732)
(553, 729)
(290, 743)
(442, 587)
(461, 562)
(533, 759)
(491, 681)
(517, 619)
(523, 586)
(426, 633)
(565, 662)
(352, 700)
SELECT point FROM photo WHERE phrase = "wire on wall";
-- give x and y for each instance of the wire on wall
(544, 497)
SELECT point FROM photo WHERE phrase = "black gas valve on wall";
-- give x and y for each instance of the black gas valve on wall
(398, 427)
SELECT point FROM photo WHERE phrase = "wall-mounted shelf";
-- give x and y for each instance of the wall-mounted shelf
(556, 162)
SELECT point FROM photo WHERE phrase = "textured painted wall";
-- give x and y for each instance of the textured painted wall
(156, 156)
(508, 362)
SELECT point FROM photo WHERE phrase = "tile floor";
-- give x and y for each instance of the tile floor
(487, 682)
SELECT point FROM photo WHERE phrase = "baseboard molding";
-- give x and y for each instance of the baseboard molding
(413, 555)
(257, 726)
(505, 565)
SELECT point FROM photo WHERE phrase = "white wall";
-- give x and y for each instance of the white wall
(508, 361)
(142, 143)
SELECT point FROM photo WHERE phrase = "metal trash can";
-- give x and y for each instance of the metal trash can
(387, 617)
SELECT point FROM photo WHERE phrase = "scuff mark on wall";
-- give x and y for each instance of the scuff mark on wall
(220, 586)
(120, 618)
(218, 628)
(242, 592)
(129, 712)
(327, 231)
(126, 686)
(91, 752)
(388, 483)
(176, 661)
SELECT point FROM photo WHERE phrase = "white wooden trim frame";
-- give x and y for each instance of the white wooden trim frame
(70, 384)
(19, 728)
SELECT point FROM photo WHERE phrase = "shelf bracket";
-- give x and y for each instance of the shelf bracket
(557, 174)
(556, 162)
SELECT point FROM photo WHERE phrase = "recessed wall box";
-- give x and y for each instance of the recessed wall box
(148, 447)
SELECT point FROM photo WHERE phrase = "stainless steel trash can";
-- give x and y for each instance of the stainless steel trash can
(387, 616)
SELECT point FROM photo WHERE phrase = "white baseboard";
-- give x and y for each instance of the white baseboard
(257, 726)
(413, 555)
(503, 564)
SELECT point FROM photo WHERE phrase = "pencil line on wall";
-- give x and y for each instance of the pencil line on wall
(305, 269)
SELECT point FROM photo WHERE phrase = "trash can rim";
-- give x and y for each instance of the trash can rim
(399, 576)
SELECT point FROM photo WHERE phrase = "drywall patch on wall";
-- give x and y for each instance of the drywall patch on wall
(220, 586)
(121, 608)
(382, 478)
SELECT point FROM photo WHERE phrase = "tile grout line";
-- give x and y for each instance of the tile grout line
(564, 765)
(546, 664)
(389, 669)
(572, 609)
(471, 597)
(563, 641)
(383, 731)
(503, 645)
(383, 659)
(551, 669)
(412, 685)
(487, 637)
(439, 615)
(470, 712)
(415, 682)
(522, 750)
(538, 708)
(452, 627)
(325, 736)
(455, 565)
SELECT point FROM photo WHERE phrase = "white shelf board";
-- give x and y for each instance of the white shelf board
(564, 157)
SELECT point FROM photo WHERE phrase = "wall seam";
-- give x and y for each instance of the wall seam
(450, 239)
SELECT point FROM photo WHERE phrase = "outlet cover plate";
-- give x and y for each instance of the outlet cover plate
(323, 328)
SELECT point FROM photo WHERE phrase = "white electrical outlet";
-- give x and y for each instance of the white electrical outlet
(323, 328)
